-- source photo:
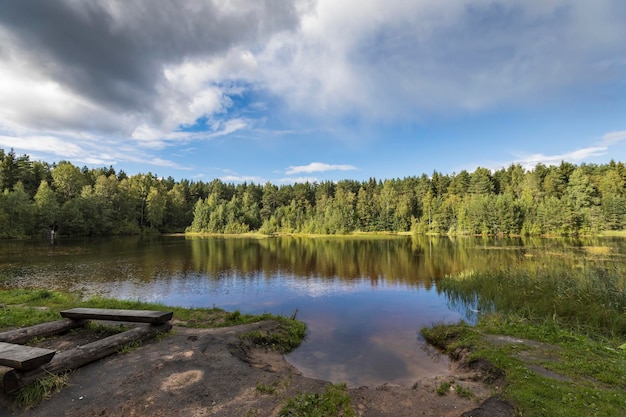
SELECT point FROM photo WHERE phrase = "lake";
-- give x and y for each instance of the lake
(364, 300)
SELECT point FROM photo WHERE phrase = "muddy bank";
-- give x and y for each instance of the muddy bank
(211, 372)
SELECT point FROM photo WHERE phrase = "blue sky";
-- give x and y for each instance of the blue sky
(289, 91)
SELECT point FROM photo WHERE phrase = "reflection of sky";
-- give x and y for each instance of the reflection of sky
(364, 304)
(358, 333)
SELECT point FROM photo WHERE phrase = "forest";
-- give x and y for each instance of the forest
(37, 197)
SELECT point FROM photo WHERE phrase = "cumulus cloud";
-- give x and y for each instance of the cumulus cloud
(318, 167)
(139, 69)
(154, 74)
(48, 144)
(400, 59)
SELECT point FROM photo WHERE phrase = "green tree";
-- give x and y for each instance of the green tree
(177, 214)
(47, 208)
(67, 180)
(156, 202)
(17, 209)
(481, 182)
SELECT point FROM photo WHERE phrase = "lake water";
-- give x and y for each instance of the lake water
(363, 300)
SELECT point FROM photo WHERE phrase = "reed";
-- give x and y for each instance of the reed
(590, 297)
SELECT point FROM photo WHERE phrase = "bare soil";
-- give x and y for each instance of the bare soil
(212, 372)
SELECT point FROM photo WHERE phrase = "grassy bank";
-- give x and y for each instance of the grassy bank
(589, 298)
(547, 371)
(22, 308)
(554, 332)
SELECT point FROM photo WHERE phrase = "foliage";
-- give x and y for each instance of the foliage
(555, 200)
(334, 402)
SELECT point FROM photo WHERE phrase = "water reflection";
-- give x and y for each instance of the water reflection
(364, 300)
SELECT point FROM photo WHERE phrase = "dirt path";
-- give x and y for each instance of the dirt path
(194, 373)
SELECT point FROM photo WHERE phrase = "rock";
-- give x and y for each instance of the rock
(492, 407)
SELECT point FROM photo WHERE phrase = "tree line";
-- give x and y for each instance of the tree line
(567, 199)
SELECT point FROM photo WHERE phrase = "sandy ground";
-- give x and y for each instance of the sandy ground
(211, 372)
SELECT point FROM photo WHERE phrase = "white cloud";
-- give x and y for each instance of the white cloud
(299, 180)
(614, 137)
(243, 178)
(222, 128)
(48, 144)
(166, 163)
(318, 167)
(148, 73)
(576, 156)
(401, 59)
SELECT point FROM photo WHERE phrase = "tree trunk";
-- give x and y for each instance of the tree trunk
(23, 335)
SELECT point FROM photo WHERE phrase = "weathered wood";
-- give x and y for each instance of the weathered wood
(23, 357)
(140, 316)
(24, 334)
(82, 355)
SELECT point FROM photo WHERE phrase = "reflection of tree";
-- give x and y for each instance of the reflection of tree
(416, 261)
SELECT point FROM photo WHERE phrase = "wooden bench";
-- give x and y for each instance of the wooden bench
(24, 357)
(30, 363)
(137, 316)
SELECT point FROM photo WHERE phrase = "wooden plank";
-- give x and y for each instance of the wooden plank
(140, 316)
(82, 355)
(23, 357)
(24, 334)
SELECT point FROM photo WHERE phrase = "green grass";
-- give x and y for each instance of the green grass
(284, 339)
(463, 392)
(443, 388)
(589, 298)
(575, 315)
(592, 371)
(333, 402)
(24, 307)
(39, 390)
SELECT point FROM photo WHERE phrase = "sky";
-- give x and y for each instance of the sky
(302, 90)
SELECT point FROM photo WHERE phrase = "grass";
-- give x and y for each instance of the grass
(129, 347)
(24, 307)
(39, 390)
(333, 402)
(592, 372)
(589, 298)
(571, 317)
(444, 388)
(286, 338)
(463, 392)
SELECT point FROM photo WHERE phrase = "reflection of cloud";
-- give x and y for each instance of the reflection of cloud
(316, 288)
(403, 345)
